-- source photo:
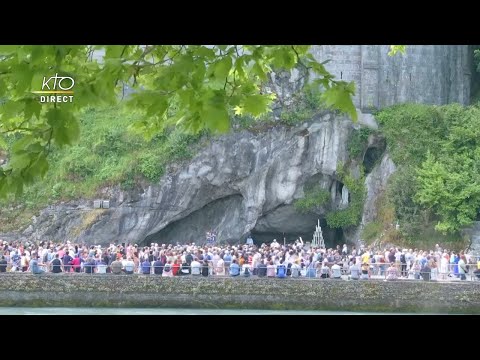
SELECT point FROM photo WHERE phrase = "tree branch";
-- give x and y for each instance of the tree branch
(298, 58)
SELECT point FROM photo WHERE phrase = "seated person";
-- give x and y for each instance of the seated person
(35, 267)
(281, 270)
(262, 269)
(234, 268)
(392, 272)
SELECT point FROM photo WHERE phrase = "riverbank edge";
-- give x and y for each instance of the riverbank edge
(148, 291)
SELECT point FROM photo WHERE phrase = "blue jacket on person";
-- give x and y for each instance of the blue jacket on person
(234, 269)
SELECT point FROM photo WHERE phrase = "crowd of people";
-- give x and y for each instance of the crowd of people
(295, 260)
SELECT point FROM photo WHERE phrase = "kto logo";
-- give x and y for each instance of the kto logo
(56, 85)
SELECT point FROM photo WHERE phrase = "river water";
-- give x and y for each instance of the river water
(153, 311)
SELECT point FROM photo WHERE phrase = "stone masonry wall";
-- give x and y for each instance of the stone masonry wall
(300, 294)
(428, 74)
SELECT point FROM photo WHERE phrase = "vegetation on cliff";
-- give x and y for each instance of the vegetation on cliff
(107, 155)
(435, 191)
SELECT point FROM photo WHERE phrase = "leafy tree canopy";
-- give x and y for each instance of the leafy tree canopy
(437, 150)
(191, 87)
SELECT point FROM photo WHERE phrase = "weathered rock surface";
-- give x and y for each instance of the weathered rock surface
(240, 183)
(473, 233)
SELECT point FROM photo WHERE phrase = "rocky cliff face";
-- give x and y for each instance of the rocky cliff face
(240, 183)
(473, 233)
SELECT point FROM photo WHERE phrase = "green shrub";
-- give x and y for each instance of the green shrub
(352, 215)
(313, 199)
(358, 141)
(106, 154)
(437, 183)
(150, 167)
(371, 231)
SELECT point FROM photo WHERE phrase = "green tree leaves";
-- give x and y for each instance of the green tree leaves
(449, 182)
(340, 97)
(437, 150)
(191, 87)
(64, 126)
(256, 104)
(394, 49)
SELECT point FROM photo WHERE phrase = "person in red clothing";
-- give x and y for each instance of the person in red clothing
(176, 267)
(76, 263)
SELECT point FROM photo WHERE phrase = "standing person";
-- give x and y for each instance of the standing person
(76, 263)
(295, 269)
(434, 269)
(227, 260)
(3, 264)
(205, 268)
(89, 265)
(56, 265)
(249, 240)
(444, 266)
(454, 264)
(167, 269)
(158, 267)
(24, 261)
(416, 270)
(344, 250)
(426, 272)
(196, 267)
(177, 264)
(403, 264)
(184, 270)
(247, 271)
(220, 269)
(462, 268)
(67, 261)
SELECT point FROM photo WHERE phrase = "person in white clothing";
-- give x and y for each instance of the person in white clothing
(220, 269)
(354, 271)
(444, 266)
(336, 271)
(167, 270)
(129, 266)
(196, 267)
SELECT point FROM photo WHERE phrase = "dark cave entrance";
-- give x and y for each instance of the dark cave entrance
(373, 155)
(332, 237)
(222, 216)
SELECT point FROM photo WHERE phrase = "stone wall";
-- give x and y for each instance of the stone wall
(84, 290)
(428, 74)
